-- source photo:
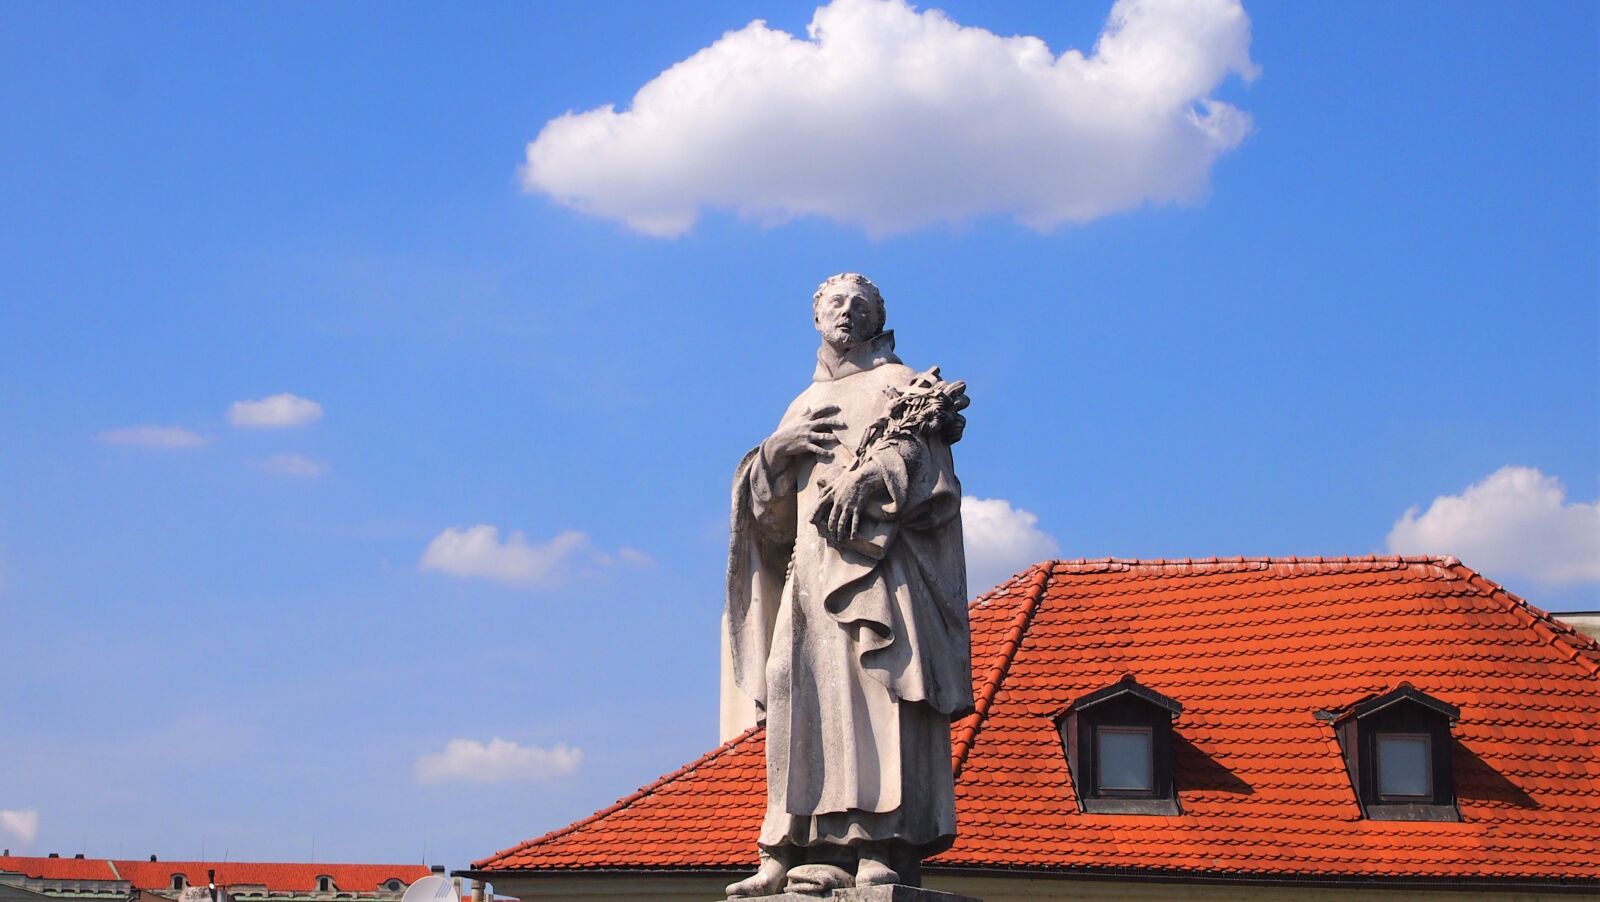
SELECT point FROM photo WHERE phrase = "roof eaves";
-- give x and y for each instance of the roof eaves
(1555, 883)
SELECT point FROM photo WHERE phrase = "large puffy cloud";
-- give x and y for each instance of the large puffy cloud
(478, 552)
(1515, 521)
(892, 119)
(498, 761)
(22, 824)
(1000, 540)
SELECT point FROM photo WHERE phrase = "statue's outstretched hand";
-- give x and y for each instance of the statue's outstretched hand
(809, 433)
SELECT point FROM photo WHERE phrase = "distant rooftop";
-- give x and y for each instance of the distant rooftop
(153, 874)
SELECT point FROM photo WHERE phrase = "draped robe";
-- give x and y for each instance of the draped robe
(859, 654)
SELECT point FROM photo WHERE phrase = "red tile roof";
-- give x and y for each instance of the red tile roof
(58, 868)
(157, 875)
(1252, 648)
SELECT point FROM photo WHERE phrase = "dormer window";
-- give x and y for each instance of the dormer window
(394, 885)
(1119, 749)
(179, 882)
(1397, 751)
(324, 884)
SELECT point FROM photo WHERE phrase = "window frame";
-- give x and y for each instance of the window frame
(1378, 736)
(1121, 792)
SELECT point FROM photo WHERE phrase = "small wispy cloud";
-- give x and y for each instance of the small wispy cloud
(22, 824)
(1516, 520)
(478, 552)
(274, 412)
(146, 436)
(297, 465)
(1000, 541)
(498, 761)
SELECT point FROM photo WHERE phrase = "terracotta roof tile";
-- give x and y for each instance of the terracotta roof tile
(1253, 648)
(157, 875)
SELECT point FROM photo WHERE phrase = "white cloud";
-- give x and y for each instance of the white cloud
(24, 825)
(274, 412)
(1000, 540)
(294, 465)
(499, 761)
(1515, 521)
(152, 437)
(892, 119)
(478, 552)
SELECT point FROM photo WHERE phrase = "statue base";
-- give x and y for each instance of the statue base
(892, 893)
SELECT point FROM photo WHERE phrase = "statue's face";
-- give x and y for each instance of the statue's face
(844, 315)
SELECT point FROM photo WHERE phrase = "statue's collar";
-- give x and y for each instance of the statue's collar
(873, 352)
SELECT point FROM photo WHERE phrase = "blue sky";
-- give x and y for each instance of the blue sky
(1380, 294)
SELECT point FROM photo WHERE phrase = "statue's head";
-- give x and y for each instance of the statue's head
(847, 309)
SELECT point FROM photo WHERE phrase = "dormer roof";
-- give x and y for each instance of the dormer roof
(1405, 693)
(1127, 687)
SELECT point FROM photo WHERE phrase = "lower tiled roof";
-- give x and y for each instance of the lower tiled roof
(157, 875)
(1252, 648)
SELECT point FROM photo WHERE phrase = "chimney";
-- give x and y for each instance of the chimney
(54, 855)
(152, 858)
(437, 869)
(78, 856)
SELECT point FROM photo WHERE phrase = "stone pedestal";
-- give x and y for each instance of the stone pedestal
(894, 893)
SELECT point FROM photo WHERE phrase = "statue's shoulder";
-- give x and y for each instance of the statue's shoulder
(895, 373)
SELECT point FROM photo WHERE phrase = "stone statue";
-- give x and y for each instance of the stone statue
(847, 610)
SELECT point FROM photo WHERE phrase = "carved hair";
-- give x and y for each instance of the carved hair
(867, 288)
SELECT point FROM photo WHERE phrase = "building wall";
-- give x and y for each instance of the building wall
(1586, 622)
(709, 888)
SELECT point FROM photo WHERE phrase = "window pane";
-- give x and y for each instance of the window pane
(1122, 758)
(1403, 766)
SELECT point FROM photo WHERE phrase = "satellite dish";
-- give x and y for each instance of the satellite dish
(431, 888)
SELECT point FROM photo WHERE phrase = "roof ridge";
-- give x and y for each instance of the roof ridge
(1576, 646)
(626, 800)
(1440, 560)
(990, 687)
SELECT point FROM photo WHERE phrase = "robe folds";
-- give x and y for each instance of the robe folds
(859, 654)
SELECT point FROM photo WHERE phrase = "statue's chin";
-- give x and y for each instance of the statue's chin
(840, 340)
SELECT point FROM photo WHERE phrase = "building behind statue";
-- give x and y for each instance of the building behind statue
(1309, 728)
(36, 879)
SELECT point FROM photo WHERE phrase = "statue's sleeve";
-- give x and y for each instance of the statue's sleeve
(760, 544)
(771, 487)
